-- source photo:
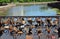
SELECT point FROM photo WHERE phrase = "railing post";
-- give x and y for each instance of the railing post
(59, 22)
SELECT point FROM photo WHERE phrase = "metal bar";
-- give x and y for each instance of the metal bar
(59, 22)
(30, 16)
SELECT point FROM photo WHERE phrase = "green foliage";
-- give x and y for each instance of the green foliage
(14, 0)
(7, 1)
(21, 1)
(1, 0)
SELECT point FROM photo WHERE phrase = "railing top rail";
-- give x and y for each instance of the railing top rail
(30, 16)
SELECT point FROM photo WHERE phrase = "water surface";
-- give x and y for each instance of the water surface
(31, 10)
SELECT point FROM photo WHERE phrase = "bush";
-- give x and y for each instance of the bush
(5, 1)
(8, 1)
(21, 0)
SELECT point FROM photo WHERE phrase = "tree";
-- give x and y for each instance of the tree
(11, 1)
(0, 2)
(4, 2)
(14, 0)
(21, 0)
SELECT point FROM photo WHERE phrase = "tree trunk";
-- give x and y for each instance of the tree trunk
(0, 3)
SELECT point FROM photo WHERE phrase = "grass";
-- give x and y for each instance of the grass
(3, 13)
(57, 11)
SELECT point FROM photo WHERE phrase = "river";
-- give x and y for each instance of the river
(31, 10)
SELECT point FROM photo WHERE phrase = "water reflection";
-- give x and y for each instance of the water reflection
(31, 10)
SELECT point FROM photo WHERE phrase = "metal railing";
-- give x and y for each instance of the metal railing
(32, 17)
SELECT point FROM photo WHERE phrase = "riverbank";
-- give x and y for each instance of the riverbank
(36, 3)
(4, 9)
(14, 4)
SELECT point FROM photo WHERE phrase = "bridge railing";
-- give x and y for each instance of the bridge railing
(33, 17)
